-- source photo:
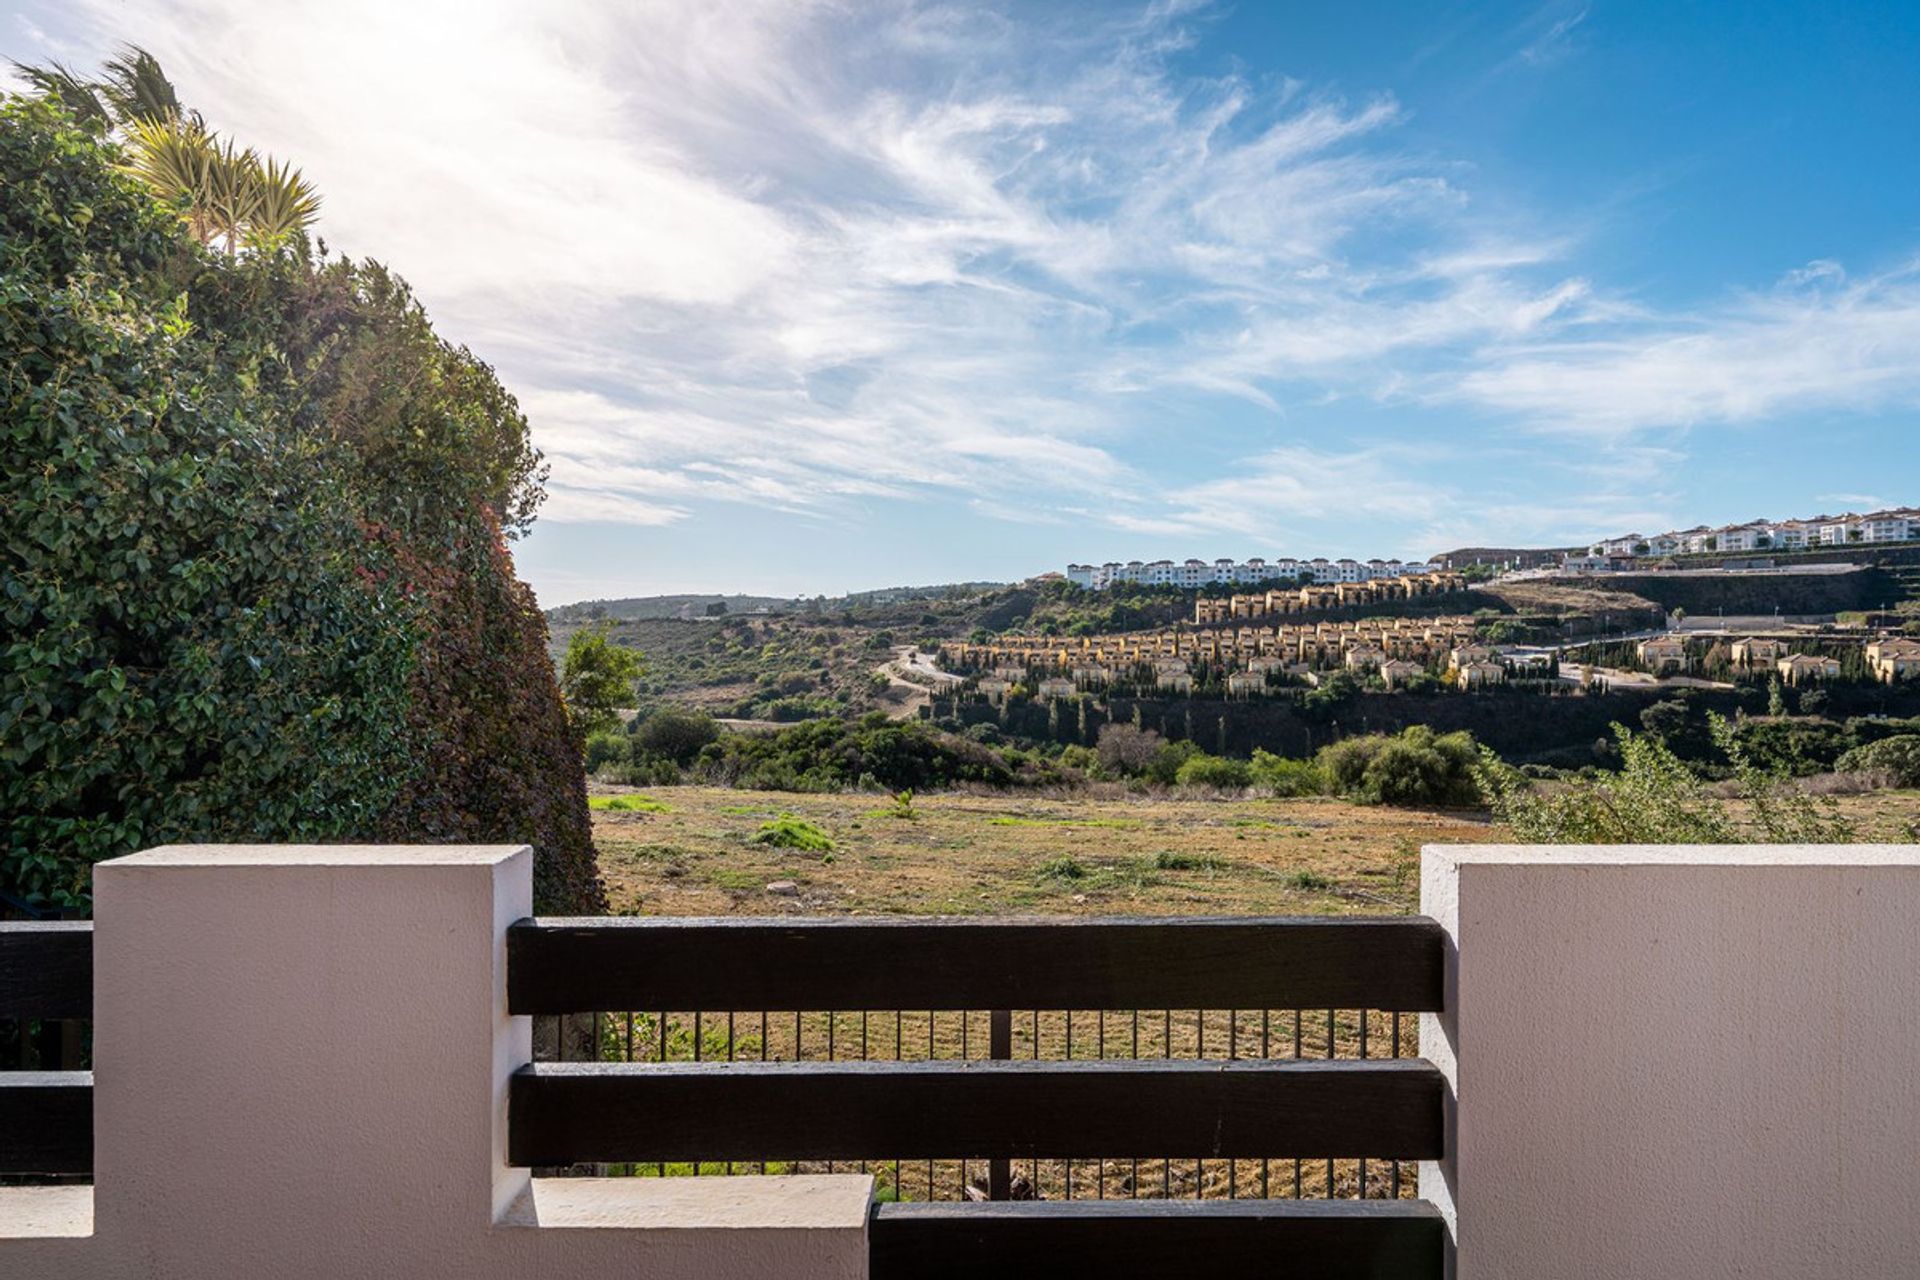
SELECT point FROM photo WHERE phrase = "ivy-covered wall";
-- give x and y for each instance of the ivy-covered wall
(254, 570)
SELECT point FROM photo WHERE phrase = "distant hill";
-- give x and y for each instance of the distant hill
(634, 608)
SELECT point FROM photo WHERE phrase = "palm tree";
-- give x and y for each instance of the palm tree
(285, 206)
(135, 88)
(221, 191)
(81, 98)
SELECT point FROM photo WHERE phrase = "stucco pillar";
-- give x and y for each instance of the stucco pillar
(1679, 1062)
(301, 1066)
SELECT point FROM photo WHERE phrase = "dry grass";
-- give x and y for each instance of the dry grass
(1012, 854)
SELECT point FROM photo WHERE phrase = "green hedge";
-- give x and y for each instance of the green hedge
(255, 581)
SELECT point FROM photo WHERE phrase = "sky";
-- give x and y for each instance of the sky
(813, 297)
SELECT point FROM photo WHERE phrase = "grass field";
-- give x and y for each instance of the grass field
(690, 851)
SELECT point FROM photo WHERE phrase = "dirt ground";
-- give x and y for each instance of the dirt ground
(690, 851)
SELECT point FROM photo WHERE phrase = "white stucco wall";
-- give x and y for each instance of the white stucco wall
(1680, 1062)
(301, 1063)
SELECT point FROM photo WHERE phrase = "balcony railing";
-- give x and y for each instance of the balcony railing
(1089, 1075)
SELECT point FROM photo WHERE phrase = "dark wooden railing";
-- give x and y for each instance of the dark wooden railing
(994, 1110)
(46, 977)
(955, 1106)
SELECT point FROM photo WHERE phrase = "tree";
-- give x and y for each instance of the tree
(1126, 748)
(598, 679)
(675, 734)
(221, 191)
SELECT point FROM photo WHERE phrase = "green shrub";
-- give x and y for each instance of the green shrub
(1170, 860)
(1656, 799)
(789, 832)
(257, 578)
(1898, 757)
(1418, 767)
(1286, 778)
(628, 804)
(1203, 770)
(1061, 868)
(675, 734)
(1168, 760)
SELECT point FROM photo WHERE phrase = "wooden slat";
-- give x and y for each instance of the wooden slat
(565, 1113)
(46, 969)
(588, 965)
(1120, 1239)
(46, 1122)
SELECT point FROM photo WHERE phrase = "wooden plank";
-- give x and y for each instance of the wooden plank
(561, 965)
(46, 1122)
(565, 1113)
(1120, 1239)
(46, 969)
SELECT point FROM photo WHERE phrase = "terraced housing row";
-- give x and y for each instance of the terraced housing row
(1217, 609)
(1395, 649)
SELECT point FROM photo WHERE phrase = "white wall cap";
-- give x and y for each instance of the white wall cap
(1679, 855)
(42, 1213)
(785, 1202)
(321, 855)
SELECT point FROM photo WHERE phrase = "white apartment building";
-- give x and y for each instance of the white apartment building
(1760, 536)
(1203, 573)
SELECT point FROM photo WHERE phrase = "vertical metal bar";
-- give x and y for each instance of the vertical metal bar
(1330, 1054)
(698, 1034)
(1134, 1188)
(1298, 1016)
(1000, 1049)
(930, 1189)
(1266, 1051)
(1396, 1053)
(763, 1058)
(1363, 1055)
(1166, 1045)
(660, 1035)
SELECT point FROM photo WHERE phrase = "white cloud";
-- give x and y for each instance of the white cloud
(802, 255)
(1816, 343)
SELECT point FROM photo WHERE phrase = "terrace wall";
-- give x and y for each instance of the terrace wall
(1678, 1062)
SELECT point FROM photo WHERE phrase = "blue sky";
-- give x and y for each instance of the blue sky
(814, 297)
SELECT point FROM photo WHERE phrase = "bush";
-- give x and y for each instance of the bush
(1897, 757)
(1287, 778)
(1418, 767)
(833, 755)
(1126, 749)
(1656, 799)
(1204, 770)
(789, 832)
(1168, 760)
(605, 749)
(258, 585)
(673, 734)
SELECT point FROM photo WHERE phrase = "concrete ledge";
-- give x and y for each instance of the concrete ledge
(799, 1202)
(46, 1213)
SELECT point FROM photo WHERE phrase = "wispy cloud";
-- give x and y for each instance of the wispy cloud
(808, 256)
(1817, 342)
